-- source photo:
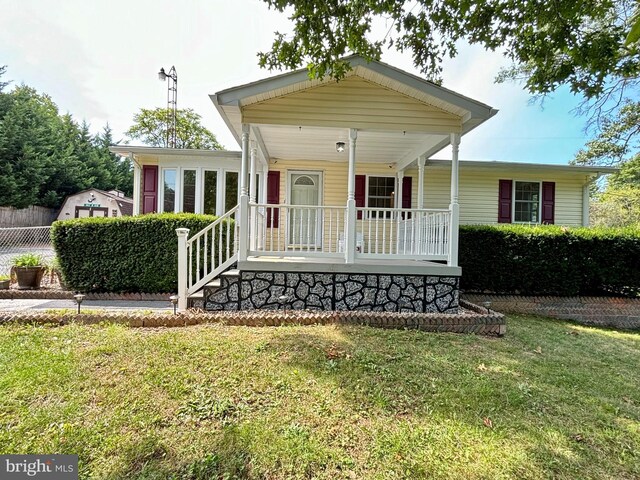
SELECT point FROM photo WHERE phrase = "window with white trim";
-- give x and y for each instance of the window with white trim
(526, 203)
(381, 193)
(188, 191)
(168, 189)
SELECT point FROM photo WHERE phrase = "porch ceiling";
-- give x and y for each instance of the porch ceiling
(319, 143)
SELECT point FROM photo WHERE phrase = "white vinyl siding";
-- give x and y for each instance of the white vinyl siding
(478, 189)
(352, 103)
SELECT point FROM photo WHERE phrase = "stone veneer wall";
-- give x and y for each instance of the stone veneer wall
(612, 312)
(249, 290)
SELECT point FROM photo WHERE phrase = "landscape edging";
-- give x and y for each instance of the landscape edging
(479, 321)
(615, 312)
(45, 294)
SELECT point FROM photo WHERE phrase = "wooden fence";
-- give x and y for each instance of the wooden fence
(32, 216)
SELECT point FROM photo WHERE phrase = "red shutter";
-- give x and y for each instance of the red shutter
(149, 188)
(361, 193)
(406, 194)
(273, 197)
(548, 202)
(504, 201)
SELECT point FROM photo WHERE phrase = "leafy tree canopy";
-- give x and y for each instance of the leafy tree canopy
(551, 43)
(150, 127)
(45, 156)
(617, 140)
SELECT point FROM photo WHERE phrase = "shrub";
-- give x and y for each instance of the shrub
(550, 260)
(123, 254)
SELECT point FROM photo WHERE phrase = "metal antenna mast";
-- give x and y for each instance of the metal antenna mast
(172, 104)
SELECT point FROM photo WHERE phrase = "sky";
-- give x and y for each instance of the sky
(99, 60)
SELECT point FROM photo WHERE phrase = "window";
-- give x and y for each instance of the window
(169, 190)
(381, 194)
(210, 191)
(526, 207)
(231, 190)
(189, 191)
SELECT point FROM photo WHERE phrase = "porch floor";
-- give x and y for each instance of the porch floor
(338, 265)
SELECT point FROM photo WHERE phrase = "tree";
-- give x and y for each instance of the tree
(45, 156)
(618, 203)
(150, 126)
(617, 141)
(551, 43)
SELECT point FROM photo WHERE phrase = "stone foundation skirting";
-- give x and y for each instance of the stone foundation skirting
(252, 290)
(621, 313)
(473, 320)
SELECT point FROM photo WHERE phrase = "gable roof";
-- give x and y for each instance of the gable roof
(125, 203)
(471, 113)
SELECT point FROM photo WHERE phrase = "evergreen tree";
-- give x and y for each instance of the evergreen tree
(45, 156)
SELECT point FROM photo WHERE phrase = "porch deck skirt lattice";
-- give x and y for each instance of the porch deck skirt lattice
(253, 290)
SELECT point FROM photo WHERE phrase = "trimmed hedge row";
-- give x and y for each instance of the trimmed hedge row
(550, 260)
(123, 254)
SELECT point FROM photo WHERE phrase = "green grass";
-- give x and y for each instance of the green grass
(549, 400)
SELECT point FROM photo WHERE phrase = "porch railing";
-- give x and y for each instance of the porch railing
(408, 233)
(212, 250)
(296, 230)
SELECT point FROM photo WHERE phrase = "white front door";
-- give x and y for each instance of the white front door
(304, 223)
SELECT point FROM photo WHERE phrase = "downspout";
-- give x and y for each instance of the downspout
(585, 197)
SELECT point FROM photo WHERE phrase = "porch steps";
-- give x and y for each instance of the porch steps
(198, 299)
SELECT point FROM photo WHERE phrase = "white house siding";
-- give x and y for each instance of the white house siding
(478, 187)
(352, 103)
(479, 191)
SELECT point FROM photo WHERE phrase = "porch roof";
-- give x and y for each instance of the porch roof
(399, 116)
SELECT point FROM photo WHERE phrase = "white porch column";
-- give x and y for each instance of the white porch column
(244, 166)
(136, 185)
(183, 270)
(421, 162)
(253, 181)
(243, 214)
(454, 208)
(400, 175)
(350, 234)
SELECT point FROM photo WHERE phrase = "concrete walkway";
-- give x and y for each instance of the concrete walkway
(107, 305)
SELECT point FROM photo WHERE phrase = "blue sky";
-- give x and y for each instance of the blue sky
(99, 60)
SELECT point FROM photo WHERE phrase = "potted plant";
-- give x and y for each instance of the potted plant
(29, 269)
(4, 282)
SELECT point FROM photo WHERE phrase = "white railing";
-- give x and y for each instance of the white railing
(408, 233)
(303, 230)
(212, 250)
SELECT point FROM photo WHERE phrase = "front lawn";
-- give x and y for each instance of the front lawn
(549, 400)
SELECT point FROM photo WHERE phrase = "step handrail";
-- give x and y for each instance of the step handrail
(217, 254)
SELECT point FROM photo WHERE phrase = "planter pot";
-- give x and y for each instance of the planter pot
(29, 278)
(4, 284)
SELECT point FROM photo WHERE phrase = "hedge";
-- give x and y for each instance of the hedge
(550, 260)
(123, 254)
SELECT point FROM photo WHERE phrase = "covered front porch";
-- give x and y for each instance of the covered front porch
(342, 166)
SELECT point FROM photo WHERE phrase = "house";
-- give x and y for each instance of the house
(339, 203)
(96, 203)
